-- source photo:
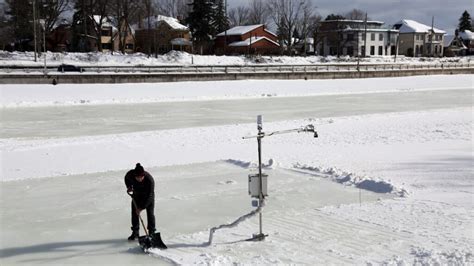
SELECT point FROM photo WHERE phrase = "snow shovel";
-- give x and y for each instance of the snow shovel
(148, 241)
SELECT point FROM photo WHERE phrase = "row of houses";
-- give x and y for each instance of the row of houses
(161, 34)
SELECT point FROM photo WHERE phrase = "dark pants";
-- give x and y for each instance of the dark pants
(150, 215)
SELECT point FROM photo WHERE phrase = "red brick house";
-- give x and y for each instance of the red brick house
(60, 39)
(251, 39)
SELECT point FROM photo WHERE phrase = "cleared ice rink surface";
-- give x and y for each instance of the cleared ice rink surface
(85, 219)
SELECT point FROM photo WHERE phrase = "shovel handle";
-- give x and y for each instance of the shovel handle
(139, 216)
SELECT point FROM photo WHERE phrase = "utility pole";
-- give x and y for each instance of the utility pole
(225, 33)
(432, 36)
(365, 35)
(43, 26)
(396, 48)
(34, 28)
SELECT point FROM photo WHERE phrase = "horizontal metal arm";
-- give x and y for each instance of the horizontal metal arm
(307, 128)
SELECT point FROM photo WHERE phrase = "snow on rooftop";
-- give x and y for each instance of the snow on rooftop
(447, 40)
(155, 20)
(106, 22)
(252, 40)
(173, 22)
(411, 26)
(355, 21)
(239, 30)
(466, 35)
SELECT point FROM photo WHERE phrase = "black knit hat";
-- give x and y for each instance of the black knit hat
(139, 171)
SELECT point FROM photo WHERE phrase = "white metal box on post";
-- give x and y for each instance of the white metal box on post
(254, 185)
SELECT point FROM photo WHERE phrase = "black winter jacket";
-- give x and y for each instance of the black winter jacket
(143, 192)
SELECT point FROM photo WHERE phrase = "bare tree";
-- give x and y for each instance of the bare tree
(303, 25)
(124, 11)
(314, 29)
(51, 11)
(285, 15)
(355, 14)
(172, 8)
(99, 13)
(258, 12)
(239, 16)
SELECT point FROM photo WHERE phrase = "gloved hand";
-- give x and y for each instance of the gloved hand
(138, 211)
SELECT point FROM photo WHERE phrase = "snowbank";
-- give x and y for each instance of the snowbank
(183, 58)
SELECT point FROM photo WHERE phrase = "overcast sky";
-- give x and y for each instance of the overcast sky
(446, 12)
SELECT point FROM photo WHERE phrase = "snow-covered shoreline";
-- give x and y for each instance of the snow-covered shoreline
(96, 94)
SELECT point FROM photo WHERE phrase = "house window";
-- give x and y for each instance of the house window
(350, 37)
(372, 37)
(380, 37)
(417, 50)
(380, 50)
(362, 50)
(372, 50)
(421, 49)
(107, 46)
(106, 32)
(430, 38)
(417, 37)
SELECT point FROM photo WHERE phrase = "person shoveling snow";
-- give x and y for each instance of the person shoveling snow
(141, 188)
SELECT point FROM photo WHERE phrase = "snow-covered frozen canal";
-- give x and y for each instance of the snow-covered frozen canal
(389, 180)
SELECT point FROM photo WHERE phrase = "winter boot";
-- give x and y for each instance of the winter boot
(133, 236)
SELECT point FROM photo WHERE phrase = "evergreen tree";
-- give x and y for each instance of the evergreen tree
(465, 22)
(200, 21)
(21, 21)
(335, 17)
(81, 25)
(221, 21)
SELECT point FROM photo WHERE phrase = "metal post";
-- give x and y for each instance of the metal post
(260, 196)
(259, 140)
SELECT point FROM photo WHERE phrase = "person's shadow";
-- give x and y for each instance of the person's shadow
(59, 247)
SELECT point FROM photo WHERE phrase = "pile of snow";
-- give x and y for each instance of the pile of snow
(351, 179)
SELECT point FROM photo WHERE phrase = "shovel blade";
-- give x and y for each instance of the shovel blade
(152, 241)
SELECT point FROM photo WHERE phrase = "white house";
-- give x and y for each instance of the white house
(351, 37)
(418, 39)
